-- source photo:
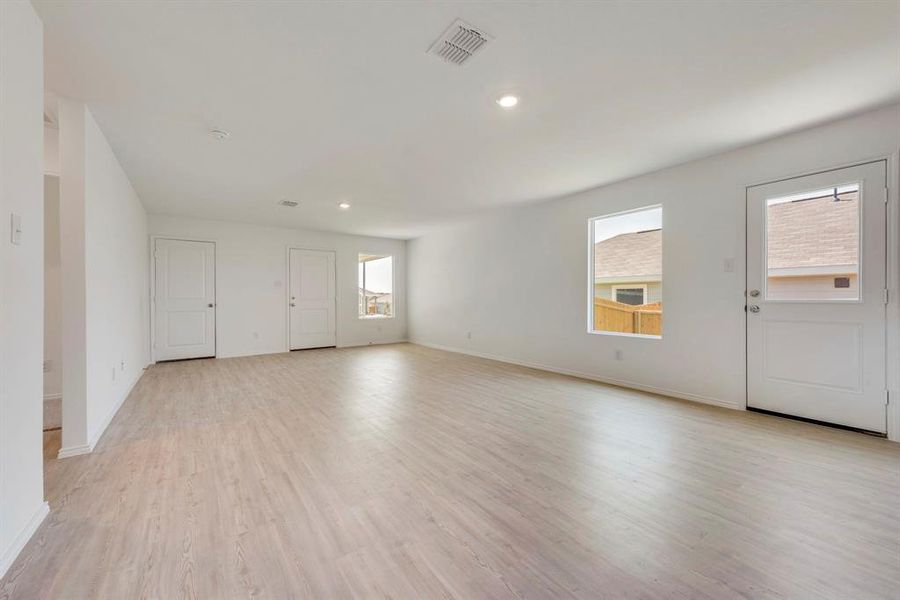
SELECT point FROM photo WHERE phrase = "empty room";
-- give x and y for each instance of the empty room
(457, 300)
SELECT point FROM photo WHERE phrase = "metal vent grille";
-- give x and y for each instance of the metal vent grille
(459, 43)
(291, 203)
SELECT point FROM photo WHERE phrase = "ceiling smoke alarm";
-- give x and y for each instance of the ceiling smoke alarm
(459, 43)
(290, 203)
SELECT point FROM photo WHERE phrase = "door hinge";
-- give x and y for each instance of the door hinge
(887, 397)
(887, 192)
(886, 296)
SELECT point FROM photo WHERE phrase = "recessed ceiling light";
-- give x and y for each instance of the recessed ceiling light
(344, 205)
(507, 101)
(219, 134)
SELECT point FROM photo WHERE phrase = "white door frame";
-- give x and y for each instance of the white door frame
(287, 292)
(180, 238)
(892, 309)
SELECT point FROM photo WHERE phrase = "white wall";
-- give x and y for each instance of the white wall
(517, 279)
(105, 280)
(22, 507)
(117, 282)
(52, 291)
(251, 272)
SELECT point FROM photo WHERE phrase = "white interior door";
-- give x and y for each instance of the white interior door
(816, 283)
(185, 299)
(312, 299)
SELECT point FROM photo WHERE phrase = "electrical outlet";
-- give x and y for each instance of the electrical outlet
(114, 373)
(48, 366)
(468, 335)
(619, 355)
(122, 365)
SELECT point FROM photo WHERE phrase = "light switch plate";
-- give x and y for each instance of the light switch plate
(728, 265)
(15, 229)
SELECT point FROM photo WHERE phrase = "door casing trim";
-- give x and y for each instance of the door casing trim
(287, 292)
(181, 238)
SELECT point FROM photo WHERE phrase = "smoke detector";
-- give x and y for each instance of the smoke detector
(459, 43)
(289, 203)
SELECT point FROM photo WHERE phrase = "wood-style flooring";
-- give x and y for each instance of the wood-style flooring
(405, 472)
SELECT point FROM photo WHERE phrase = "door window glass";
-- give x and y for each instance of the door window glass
(812, 245)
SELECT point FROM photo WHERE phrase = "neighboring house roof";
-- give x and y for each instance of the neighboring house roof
(376, 294)
(630, 255)
(815, 233)
(805, 236)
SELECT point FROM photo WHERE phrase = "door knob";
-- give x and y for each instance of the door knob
(210, 305)
(754, 293)
(292, 304)
(753, 308)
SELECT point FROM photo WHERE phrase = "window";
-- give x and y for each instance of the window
(812, 245)
(635, 296)
(376, 286)
(626, 273)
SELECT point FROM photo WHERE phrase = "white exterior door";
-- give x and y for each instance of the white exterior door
(816, 279)
(312, 299)
(185, 299)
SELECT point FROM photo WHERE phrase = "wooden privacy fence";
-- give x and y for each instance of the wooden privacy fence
(625, 318)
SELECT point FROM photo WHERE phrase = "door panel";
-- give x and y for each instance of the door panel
(312, 299)
(816, 296)
(185, 315)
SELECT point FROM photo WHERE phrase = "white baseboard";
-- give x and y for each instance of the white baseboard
(52, 397)
(98, 433)
(12, 552)
(589, 376)
(381, 343)
(70, 451)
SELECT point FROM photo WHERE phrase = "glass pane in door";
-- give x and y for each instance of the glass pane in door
(812, 245)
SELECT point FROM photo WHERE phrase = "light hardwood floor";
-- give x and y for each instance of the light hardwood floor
(404, 472)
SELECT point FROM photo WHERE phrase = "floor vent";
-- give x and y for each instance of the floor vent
(459, 43)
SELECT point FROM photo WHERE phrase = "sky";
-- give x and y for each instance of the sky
(642, 220)
(379, 274)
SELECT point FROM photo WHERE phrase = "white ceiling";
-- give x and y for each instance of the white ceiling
(339, 101)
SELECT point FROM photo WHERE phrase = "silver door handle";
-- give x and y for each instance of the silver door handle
(753, 308)
(754, 293)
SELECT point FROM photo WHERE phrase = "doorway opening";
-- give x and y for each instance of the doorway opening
(52, 308)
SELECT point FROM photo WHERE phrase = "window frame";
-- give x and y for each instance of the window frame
(590, 271)
(634, 286)
(364, 317)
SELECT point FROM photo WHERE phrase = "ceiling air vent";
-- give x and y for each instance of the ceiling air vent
(291, 203)
(459, 42)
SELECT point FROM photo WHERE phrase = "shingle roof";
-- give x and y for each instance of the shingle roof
(808, 233)
(629, 255)
(814, 233)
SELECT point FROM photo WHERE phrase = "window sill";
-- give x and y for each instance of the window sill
(375, 317)
(629, 335)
